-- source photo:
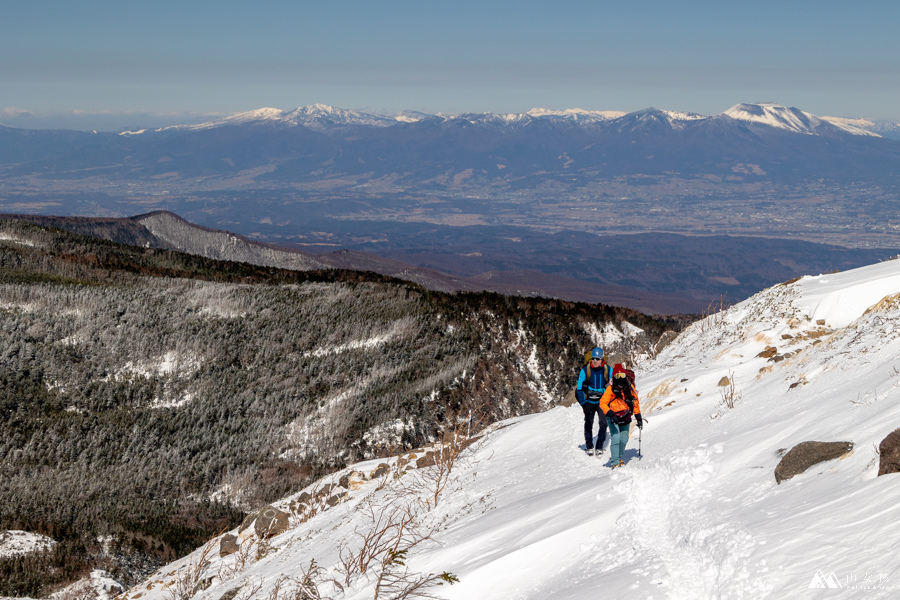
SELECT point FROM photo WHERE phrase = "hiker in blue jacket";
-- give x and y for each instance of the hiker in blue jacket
(593, 379)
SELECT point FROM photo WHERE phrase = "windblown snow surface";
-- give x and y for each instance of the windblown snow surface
(698, 514)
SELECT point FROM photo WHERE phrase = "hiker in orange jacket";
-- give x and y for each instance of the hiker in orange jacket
(619, 403)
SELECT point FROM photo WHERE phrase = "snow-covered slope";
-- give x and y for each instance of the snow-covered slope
(15, 542)
(880, 128)
(98, 584)
(527, 515)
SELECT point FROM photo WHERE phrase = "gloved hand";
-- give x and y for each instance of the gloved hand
(640, 421)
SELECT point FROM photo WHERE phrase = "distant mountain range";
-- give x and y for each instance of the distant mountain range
(322, 117)
(747, 143)
(535, 202)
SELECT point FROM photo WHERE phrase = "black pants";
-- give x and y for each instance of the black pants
(589, 411)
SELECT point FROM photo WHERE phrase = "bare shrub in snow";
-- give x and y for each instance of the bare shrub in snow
(392, 530)
(193, 577)
(389, 534)
(729, 395)
(714, 315)
(387, 529)
(397, 581)
(728, 392)
(240, 559)
(432, 478)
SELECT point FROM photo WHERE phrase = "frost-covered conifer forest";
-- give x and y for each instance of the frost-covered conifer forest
(150, 399)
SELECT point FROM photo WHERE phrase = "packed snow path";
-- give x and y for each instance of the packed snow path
(529, 516)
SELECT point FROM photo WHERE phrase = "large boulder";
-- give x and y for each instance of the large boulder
(228, 544)
(352, 480)
(380, 471)
(806, 454)
(426, 461)
(267, 522)
(889, 449)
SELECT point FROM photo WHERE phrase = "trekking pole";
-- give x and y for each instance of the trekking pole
(640, 431)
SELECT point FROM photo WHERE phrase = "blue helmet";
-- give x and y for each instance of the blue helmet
(597, 353)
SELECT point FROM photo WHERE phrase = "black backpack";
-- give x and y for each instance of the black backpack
(627, 398)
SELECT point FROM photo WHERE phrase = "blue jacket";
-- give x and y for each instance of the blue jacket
(600, 378)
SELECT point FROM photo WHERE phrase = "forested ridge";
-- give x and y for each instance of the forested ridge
(149, 398)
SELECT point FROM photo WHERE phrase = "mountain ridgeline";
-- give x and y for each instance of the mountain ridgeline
(292, 175)
(652, 273)
(149, 397)
(423, 151)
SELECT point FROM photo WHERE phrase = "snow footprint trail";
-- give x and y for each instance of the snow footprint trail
(676, 539)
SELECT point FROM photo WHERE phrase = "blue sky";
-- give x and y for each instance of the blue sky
(126, 63)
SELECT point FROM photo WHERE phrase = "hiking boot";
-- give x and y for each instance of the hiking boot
(589, 451)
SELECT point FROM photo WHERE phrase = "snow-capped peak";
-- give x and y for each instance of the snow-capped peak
(775, 115)
(683, 116)
(654, 117)
(790, 119)
(569, 114)
(576, 114)
(324, 111)
(411, 116)
(250, 116)
(316, 116)
(260, 114)
(321, 115)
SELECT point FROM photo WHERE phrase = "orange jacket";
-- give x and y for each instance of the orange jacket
(610, 401)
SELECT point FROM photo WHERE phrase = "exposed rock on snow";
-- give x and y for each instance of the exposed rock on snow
(889, 454)
(266, 522)
(806, 454)
(228, 544)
